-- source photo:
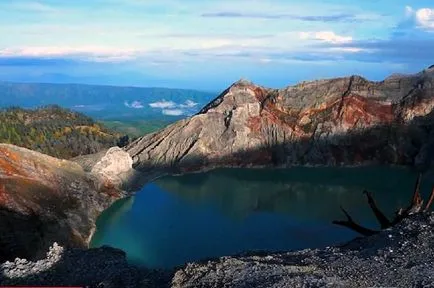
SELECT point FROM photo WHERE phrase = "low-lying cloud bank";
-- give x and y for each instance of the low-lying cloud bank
(134, 104)
(169, 108)
(163, 104)
(173, 112)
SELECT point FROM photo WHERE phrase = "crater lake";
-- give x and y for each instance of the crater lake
(179, 219)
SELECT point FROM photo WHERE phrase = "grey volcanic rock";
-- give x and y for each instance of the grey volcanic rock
(88, 161)
(344, 121)
(399, 257)
(101, 267)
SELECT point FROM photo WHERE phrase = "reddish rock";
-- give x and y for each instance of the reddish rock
(343, 121)
(45, 200)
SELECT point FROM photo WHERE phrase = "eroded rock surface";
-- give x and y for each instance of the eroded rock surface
(45, 200)
(402, 256)
(344, 121)
(103, 267)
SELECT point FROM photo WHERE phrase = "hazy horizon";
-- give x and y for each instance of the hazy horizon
(208, 45)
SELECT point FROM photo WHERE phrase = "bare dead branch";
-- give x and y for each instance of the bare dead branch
(430, 201)
(416, 194)
(349, 223)
(381, 218)
(417, 201)
(416, 206)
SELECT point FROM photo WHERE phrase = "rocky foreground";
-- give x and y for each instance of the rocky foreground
(100, 267)
(402, 256)
(398, 257)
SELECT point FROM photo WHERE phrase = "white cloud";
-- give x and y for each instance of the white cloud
(425, 18)
(265, 60)
(326, 36)
(347, 49)
(141, 41)
(188, 104)
(409, 11)
(88, 52)
(174, 109)
(163, 104)
(134, 104)
(173, 50)
(173, 112)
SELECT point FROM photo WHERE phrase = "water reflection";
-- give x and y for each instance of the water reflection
(179, 219)
(311, 194)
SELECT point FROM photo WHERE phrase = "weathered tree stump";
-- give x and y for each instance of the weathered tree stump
(416, 206)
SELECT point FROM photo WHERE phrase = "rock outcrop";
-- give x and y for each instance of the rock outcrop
(45, 199)
(99, 267)
(344, 121)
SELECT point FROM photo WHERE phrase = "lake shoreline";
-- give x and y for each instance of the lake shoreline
(249, 210)
(389, 258)
(47, 273)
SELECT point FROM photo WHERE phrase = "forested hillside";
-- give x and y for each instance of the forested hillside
(55, 131)
(137, 128)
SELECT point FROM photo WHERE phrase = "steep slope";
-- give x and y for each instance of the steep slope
(45, 200)
(344, 121)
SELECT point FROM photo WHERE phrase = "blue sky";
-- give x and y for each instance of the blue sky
(207, 45)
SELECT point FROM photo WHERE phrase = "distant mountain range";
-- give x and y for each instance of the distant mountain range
(107, 102)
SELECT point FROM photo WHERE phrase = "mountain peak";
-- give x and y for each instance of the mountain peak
(428, 71)
(243, 82)
(317, 123)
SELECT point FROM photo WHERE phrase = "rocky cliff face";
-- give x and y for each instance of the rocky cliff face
(344, 121)
(45, 200)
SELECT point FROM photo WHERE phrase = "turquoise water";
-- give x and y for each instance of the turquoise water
(227, 211)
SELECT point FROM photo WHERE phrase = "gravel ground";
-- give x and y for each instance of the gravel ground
(402, 256)
(103, 267)
(399, 257)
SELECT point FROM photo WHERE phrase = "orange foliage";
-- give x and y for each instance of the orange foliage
(7, 162)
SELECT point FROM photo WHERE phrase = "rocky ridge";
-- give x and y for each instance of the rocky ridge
(343, 121)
